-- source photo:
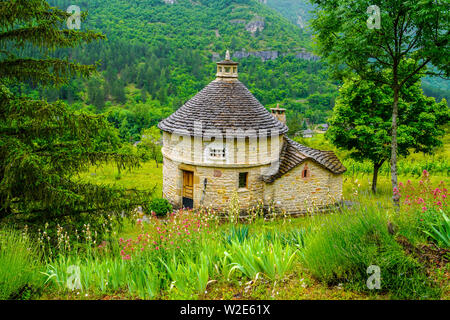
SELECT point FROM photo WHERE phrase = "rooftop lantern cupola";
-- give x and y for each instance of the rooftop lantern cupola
(227, 69)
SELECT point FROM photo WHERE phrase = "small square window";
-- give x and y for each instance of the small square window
(217, 153)
(227, 69)
(243, 176)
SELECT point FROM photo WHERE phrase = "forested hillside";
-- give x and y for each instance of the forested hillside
(158, 54)
(297, 11)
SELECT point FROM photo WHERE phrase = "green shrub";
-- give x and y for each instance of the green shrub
(345, 245)
(160, 206)
(436, 225)
(19, 266)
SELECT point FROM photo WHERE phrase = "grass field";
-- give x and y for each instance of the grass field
(143, 178)
(357, 179)
(196, 255)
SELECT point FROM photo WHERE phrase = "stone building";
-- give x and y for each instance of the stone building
(224, 141)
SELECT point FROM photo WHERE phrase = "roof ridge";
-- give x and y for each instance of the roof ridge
(289, 159)
(223, 105)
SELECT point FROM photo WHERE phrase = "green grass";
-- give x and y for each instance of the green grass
(342, 246)
(319, 256)
(19, 266)
(143, 178)
(310, 257)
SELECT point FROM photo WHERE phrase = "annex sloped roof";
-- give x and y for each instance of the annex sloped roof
(223, 105)
(294, 153)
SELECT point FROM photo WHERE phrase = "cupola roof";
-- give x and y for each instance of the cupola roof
(224, 104)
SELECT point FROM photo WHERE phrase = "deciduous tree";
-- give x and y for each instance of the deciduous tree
(150, 146)
(413, 34)
(361, 122)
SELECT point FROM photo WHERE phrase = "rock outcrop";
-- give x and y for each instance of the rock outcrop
(304, 55)
(215, 57)
(271, 55)
(264, 55)
(255, 25)
(300, 22)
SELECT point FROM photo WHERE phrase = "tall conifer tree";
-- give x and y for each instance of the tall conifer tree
(44, 145)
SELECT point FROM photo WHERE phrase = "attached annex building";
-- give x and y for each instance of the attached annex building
(224, 141)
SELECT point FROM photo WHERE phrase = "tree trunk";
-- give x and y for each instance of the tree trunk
(376, 167)
(394, 179)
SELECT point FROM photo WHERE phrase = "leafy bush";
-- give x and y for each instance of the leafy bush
(19, 265)
(345, 245)
(294, 238)
(160, 206)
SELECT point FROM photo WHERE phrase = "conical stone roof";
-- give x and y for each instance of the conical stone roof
(225, 104)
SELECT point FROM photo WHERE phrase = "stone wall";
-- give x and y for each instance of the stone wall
(223, 182)
(295, 194)
(172, 183)
(291, 192)
(220, 185)
(240, 152)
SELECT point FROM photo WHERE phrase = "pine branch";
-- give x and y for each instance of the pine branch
(44, 71)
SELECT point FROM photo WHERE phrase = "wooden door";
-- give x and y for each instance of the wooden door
(188, 189)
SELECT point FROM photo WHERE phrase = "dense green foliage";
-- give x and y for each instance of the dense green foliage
(186, 24)
(28, 24)
(150, 69)
(437, 227)
(44, 145)
(159, 55)
(411, 36)
(361, 122)
(160, 207)
(165, 48)
(346, 244)
(150, 146)
(297, 11)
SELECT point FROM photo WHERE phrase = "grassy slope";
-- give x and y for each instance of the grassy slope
(299, 284)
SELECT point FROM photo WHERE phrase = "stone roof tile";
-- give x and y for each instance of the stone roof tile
(294, 153)
(223, 105)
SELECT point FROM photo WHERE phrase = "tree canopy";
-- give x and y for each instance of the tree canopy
(411, 36)
(361, 122)
(44, 145)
